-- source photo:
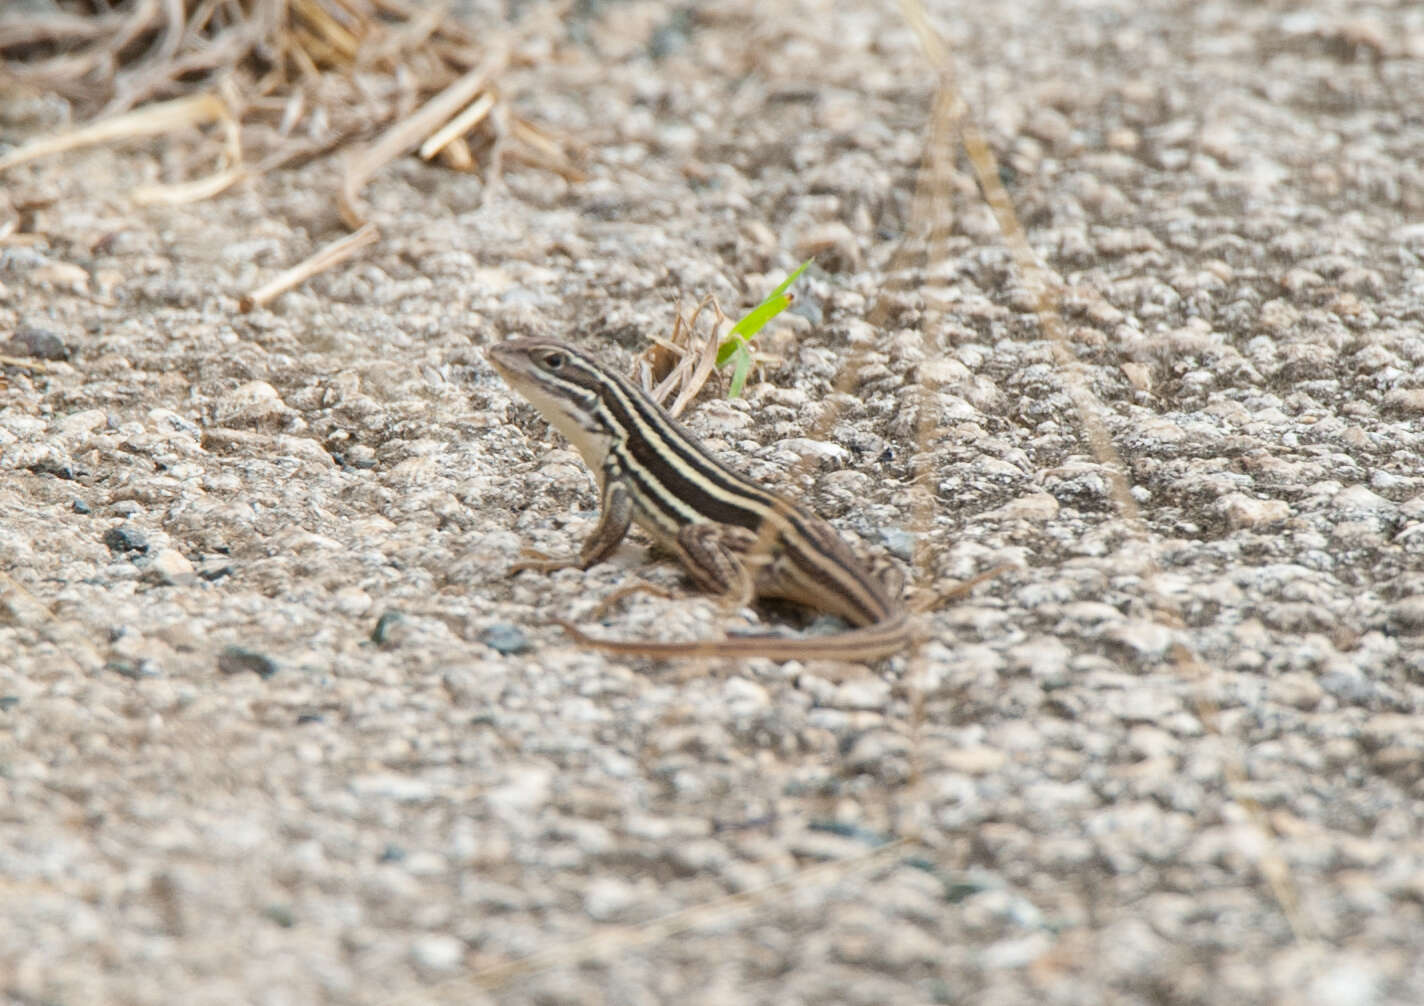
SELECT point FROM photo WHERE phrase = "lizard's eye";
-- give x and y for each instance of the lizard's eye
(554, 360)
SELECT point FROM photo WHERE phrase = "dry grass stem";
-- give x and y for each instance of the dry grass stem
(167, 117)
(535, 147)
(962, 590)
(190, 192)
(407, 134)
(288, 60)
(1046, 287)
(332, 254)
(1047, 290)
(673, 364)
(17, 361)
(457, 127)
(706, 361)
(457, 156)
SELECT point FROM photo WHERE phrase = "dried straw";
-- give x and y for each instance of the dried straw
(278, 77)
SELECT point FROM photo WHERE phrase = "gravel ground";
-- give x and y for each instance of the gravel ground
(276, 727)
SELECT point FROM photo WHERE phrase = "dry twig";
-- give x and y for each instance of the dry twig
(407, 134)
(332, 254)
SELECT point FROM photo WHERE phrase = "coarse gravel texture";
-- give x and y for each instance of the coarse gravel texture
(276, 726)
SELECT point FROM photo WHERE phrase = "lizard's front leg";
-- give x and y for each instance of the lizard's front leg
(614, 518)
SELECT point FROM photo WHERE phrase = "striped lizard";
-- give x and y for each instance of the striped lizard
(734, 537)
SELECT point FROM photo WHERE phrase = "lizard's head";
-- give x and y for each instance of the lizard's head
(564, 384)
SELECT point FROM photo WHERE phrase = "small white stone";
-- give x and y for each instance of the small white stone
(353, 601)
(1142, 636)
(744, 697)
(255, 403)
(979, 760)
(306, 449)
(832, 239)
(1351, 981)
(1035, 507)
(606, 898)
(437, 954)
(1242, 511)
(862, 693)
(1044, 657)
(171, 565)
(944, 372)
(1359, 498)
(389, 786)
(814, 450)
(83, 422)
(168, 422)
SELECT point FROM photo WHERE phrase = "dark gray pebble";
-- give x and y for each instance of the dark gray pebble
(235, 660)
(37, 343)
(388, 621)
(126, 539)
(505, 638)
(133, 669)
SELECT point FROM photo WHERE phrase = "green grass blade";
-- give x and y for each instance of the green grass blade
(750, 324)
(740, 371)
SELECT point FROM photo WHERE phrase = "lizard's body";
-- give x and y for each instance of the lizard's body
(733, 536)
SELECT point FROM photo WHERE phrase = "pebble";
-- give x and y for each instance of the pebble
(898, 542)
(1349, 686)
(820, 451)
(505, 639)
(1045, 658)
(1359, 498)
(254, 404)
(1352, 981)
(36, 343)
(171, 566)
(1242, 511)
(133, 669)
(1409, 401)
(606, 899)
(832, 244)
(973, 760)
(880, 753)
(1300, 691)
(384, 631)
(125, 538)
(437, 955)
(1144, 638)
(391, 786)
(861, 693)
(1036, 507)
(353, 602)
(1407, 614)
(236, 660)
(85, 421)
(743, 697)
(282, 915)
(61, 277)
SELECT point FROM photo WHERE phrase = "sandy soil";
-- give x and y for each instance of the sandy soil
(276, 726)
